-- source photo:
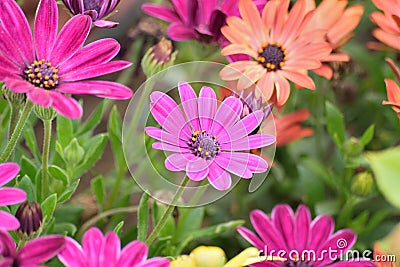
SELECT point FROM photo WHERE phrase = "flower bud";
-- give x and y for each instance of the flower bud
(353, 147)
(362, 184)
(158, 57)
(45, 114)
(73, 153)
(208, 256)
(11, 97)
(30, 218)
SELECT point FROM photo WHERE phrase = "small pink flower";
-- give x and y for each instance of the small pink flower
(53, 65)
(105, 251)
(9, 195)
(206, 139)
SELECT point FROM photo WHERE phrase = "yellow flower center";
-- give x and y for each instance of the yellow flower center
(42, 74)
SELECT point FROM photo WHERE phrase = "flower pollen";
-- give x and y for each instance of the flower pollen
(42, 74)
(272, 56)
(203, 145)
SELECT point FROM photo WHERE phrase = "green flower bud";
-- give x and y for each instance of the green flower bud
(158, 57)
(353, 147)
(30, 218)
(73, 153)
(362, 184)
(45, 114)
(11, 97)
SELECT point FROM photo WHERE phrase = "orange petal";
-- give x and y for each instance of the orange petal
(294, 21)
(251, 16)
(384, 22)
(346, 24)
(233, 49)
(266, 86)
(393, 92)
(387, 38)
(324, 71)
(299, 78)
(234, 70)
(282, 88)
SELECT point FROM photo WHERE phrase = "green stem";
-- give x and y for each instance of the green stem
(45, 157)
(163, 220)
(115, 190)
(14, 116)
(17, 132)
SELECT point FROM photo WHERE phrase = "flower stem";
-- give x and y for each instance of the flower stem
(17, 132)
(14, 116)
(45, 156)
(163, 220)
(114, 192)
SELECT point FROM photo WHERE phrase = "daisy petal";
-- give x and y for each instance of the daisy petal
(207, 106)
(178, 162)
(321, 228)
(159, 11)
(40, 97)
(11, 196)
(302, 227)
(179, 32)
(134, 253)
(241, 164)
(250, 237)
(66, 106)
(8, 221)
(46, 24)
(91, 243)
(219, 178)
(189, 103)
(41, 249)
(8, 171)
(72, 255)
(110, 251)
(250, 142)
(299, 78)
(227, 114)
(197, 169)
(282, 217)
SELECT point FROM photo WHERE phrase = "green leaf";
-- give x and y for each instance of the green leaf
(58, 173)
(26, 184)
(190, 220)
(93, 120)
(28, 167)
(48, 207)
(366, 138)
(386, 167)
(118, 228)
(169, 229)
(31, 142)
(335, 123)
(65, 229)
(143, 217)
(98, 190)
(68, 192)
(65, 131)
(115, 134)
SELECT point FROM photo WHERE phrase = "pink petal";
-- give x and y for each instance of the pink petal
(168, 147)
(155, 262)
(72, 255)
(8, 221)
(10, 51)
(341, 241)
(70, 39)
(92, 243)
(40, 97)
(46, 24)
(197, 169)
(227, 114)
(250, 142)
(283, 219)
(11, 196)
(8, 245)
(105, 23)
(178, 32)
(160, 11)
(41, 249)
(8, 171)
(252, 238)
(178, 162)
(241, 164)
(104, 89)
(110, 251)
(207, 107)
(321, 228)
(66, 106)
(17, 85)
(132, 254)
(164, 136)
(218, 177)
(189, 103)
(302, 227)
(356, 263)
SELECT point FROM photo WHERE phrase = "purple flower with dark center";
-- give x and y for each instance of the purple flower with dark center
(105, 251)
(195, 19)
(32, 254)
(96, 9)
(206, 140)
(54, 65)
(302, 242)
(9, 195)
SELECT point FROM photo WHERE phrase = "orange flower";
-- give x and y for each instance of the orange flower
(393, 89)
(339, 22)
(388, 23)
(289, 129)
(280, 48)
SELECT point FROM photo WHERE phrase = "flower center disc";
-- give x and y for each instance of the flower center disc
(272, 56)
(203, 145)
(42, 74)
(92, 5)
(299, 263)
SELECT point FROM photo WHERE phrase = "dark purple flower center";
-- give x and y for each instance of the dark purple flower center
(204, 145)
(92, 5)
(272, 56)
(42, 74)
(298, 263)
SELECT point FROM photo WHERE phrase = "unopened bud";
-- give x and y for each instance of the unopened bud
(158, 57)
(73, 153)
(11, 97)
(353, 147)
(45, 114)
(30, 218)
(362, 184)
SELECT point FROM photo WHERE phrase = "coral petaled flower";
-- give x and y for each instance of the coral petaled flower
(300, 241)
(393, 89)
(99, 250)
(54, 65)
(206, 139)
(33, 253)
(280, 48)
(9, 195)
(96, 9)
(340, 22)
(388, 22)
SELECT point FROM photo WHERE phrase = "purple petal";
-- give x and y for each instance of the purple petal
(227, 115)
(11, 196)
(241, 164)
(160, 11)
(66, 106)
(302, 227)
(178, 32)
(283, 218)
(40, 97)
(72, 255)
(205, 10)
(92, 243)
(168, 147)
(8, 221)
(207, 102)
(105, 24)
(41, 249)
(250, 142)
(46, 24)
(178, 162)
(17, 85)
(321, 228)
(132, 254)
(70, 39)
(218, 177)
(95, 53)
(164, 136)
(95, 71)
(8, 247)
(103, 89)
(251, 237)
(197, 169)
(8, 171)
(110, 251)
(189, 103)
(18, 27)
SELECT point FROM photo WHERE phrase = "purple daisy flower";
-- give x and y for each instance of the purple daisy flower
(206, 139)
(54, 65)
(194, 19)
(105, 251)
(302, 242)
(32, 253)
(9, 195)
(96, 9)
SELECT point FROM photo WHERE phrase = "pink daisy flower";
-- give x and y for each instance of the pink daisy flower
(206, 140)
(9, 195)
(302, 242)
(54, 65)
(32, 253)
(105, 251)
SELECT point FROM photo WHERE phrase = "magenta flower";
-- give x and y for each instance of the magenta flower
(105, 251)
(54, 65)
(9, 195)
(194, 19)
(96, 9)
(32, 254)
(206, 140)
(302, 242)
